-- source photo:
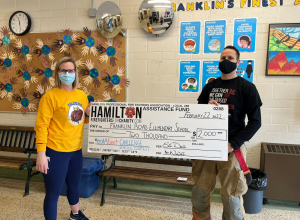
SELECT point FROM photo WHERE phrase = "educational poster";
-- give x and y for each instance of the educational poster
(190, 37)
(189, 76)
(214, 36)
(244, 37)
(210, 71)
(246, 70)
(27, 65)
(283, 50)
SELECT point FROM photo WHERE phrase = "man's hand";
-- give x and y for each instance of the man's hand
(213, 102)
(230, 148)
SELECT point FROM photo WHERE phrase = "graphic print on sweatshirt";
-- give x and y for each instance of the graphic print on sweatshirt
(76, 113)
(221, 95)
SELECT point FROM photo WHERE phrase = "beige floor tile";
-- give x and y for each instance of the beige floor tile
(119, 205)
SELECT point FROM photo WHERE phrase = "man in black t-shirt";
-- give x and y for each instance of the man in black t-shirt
(242, 99)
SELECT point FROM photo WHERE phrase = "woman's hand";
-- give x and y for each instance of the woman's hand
(42, 162)
(87, 111)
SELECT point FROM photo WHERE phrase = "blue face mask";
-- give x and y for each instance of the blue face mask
(67, 78)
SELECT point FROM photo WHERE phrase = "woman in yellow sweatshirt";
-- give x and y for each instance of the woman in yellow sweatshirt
(149, 28)
(59, 130)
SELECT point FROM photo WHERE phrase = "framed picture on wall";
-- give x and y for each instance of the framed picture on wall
(283, 58)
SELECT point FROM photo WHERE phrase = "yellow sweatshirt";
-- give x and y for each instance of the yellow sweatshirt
(60, 120)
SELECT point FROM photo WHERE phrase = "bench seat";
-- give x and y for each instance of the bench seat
(13, 162)
(152, 175)
(17, 139)
(160, 176)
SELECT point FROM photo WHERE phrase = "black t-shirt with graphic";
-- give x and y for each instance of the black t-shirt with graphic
(242, 99)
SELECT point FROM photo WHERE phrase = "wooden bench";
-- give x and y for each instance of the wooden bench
(18, 140)
(151, 175)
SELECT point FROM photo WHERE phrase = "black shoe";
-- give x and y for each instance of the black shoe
(79, 216)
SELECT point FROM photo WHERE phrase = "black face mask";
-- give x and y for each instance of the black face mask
(227, 66)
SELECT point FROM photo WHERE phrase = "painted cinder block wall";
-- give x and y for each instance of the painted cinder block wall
(153, 62)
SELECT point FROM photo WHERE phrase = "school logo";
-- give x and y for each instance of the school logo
(130, 112)
(76, 113)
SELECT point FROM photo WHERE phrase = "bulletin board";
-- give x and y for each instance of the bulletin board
(27, 65)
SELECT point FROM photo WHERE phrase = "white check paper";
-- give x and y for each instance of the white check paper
(189, 131)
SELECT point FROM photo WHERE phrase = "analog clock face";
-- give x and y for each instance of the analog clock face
(19, 23)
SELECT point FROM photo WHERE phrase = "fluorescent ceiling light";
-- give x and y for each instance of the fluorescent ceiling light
(105, 15)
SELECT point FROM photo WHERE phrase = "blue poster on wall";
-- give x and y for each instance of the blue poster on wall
(244, 38)
(189, 37)
(210, 71)
(214, 36)
(189, 76)
(246, 70)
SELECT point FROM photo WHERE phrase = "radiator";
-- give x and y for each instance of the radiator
(282, 164)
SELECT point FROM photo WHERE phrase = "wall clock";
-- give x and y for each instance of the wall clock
(19, 23)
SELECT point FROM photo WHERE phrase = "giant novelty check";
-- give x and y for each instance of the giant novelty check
(188, 131)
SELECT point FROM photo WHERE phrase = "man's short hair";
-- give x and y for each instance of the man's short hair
(236, 51)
